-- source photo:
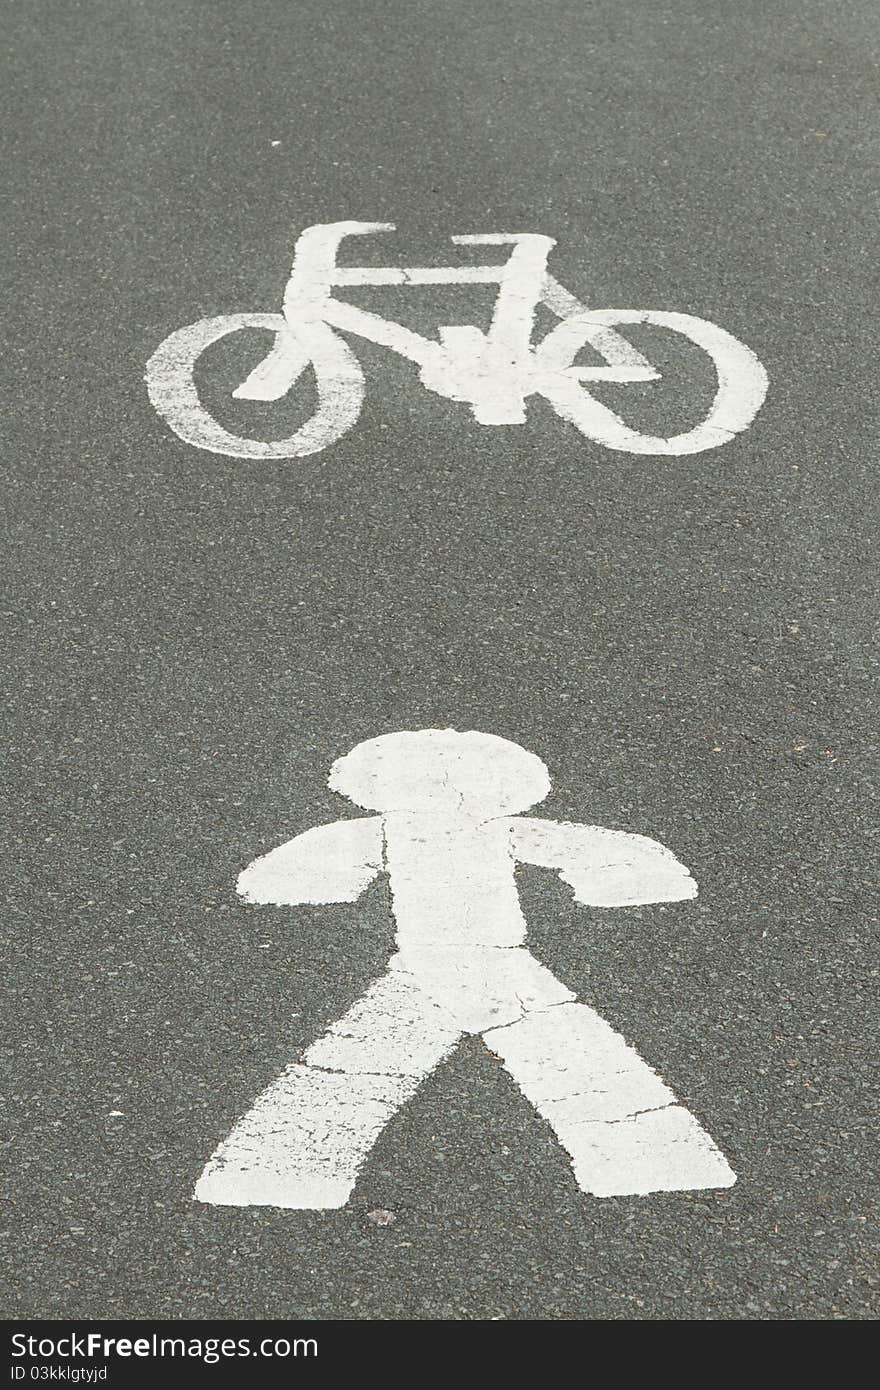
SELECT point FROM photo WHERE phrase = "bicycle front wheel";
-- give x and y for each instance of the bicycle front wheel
(742, 382)
(172, 390)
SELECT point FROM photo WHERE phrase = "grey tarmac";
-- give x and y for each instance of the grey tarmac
(688, 643)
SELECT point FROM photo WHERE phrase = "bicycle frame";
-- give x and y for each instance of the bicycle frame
(494, 371)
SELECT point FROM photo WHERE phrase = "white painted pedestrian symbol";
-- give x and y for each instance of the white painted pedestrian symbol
(494, 372)
(449, 836)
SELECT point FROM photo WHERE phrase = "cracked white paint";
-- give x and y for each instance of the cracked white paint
(494, 372)
(449, 837)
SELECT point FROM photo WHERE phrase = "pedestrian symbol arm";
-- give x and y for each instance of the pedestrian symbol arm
(329, 864)
(606, 868)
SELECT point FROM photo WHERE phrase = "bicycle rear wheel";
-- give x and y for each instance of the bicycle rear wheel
(173, 393)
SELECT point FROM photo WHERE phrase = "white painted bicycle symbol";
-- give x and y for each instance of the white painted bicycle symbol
(494, 372)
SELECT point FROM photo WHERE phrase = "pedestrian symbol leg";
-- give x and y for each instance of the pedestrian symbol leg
(307, 1136)
(621, 1125)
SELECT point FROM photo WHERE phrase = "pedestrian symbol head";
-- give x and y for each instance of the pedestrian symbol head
(441, 770)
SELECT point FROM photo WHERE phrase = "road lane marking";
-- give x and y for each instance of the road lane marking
(495, 372)
(449, 834)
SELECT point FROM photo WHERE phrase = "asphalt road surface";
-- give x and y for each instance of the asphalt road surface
(687, 642)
